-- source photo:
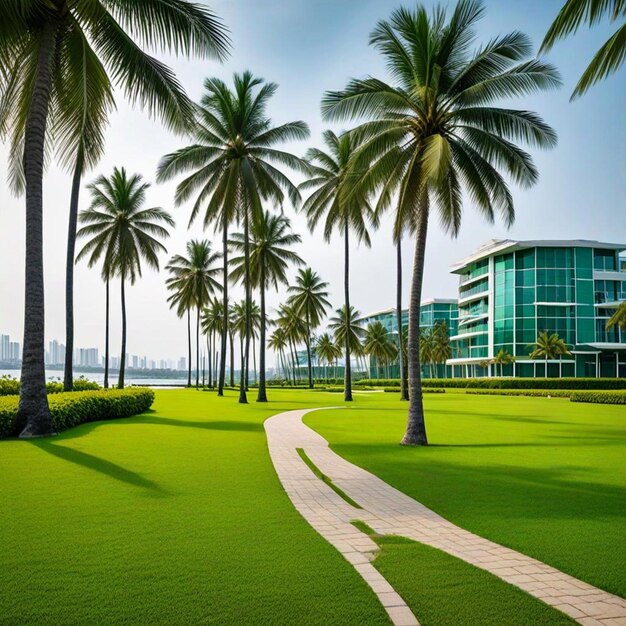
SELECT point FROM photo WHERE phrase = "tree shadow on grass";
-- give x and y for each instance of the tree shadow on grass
(97, 464)
(227, 425)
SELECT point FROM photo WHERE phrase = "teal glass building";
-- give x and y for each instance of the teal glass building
(431, 312)
(510, 291)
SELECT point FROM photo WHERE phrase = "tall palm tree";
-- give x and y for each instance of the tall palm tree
(310, 298)
(182, 300)
(123, 233)
(503, 357)
(611, 55)
(234, 165)
(55, 92)
(270, 257)
(277, 342)
(212, 320)
(295, 329)
(348, 332)
(378, 344)
(327, 350)
(548, 346)
(330, 173)
(434, 132)
(443, 349)
(196, 273)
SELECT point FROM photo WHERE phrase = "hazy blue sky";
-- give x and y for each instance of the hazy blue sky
(308, 46)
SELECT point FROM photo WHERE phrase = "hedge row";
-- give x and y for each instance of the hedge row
(11, 386)
(542, 393)
(77, 407)
(424, 390)
(506, 383)
(599, 397)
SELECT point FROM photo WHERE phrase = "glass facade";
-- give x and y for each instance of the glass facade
(553, 288)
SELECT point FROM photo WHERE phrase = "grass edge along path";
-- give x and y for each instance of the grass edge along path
(544, 477)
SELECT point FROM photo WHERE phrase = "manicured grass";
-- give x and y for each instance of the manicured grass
(174, 517)
(445, 591)
(543, 476)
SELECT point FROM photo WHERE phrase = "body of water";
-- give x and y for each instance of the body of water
(57, 375)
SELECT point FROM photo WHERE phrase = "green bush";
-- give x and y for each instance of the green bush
(542, 393)
(506, 383)
(10, 386)
(599, 397)
(77, 407)
(424, 390)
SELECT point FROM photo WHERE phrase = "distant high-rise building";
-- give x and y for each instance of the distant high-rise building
(182, 364)
(135, 361)
(5, 340)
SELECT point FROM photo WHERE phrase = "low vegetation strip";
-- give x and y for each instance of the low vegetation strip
(504, 383)
(599, 397)
(540, 393)
(77, 407)
(10, 386)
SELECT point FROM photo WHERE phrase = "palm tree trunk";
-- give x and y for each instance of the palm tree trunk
(347, 392)
(222, 375)
(120, 382)
(254, 358)
(33, 411)
(404, 391)
(197, 346)
(68, 376)
(292, 351)
(262, 392)
(243, 386)
(208, 352)
(308, 348)
(416, 428)
(189, 347)
(106, 338)
(232, 358)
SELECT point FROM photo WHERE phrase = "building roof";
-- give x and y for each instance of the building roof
(499, 246)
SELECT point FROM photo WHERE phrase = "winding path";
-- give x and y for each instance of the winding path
(391, 512)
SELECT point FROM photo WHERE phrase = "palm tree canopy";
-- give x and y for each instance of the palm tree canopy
(326, 349)
(97, 45)
(270, 239)
(238, 317)
(503, 357)
(435, 129)
(330, 175)
(277, 340)
(549, 346)
(291, 322)
(310, 296)
(192, 277)
(348, 326)
(611, 55)
(121, 232)
(234, 161)
(213, 317)
(378, 343)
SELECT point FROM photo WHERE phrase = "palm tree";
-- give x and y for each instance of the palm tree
(378, 345)
(435, 131)
(427, 348)
(610, 56)
(330, 173)
(548, 346)
(503, 357)
(212, 320)
(326, 350)
(310, 298)
(348, 331)
(123, 233)
(618, 318)
(55, 90)
(404, 387)
(443, 350)
(196, 273)
(278, 343)
(182, 300)
(295, 329)
(269, 260)
(234, 162)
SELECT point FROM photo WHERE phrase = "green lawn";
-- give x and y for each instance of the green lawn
(544, 476)
(176, 517)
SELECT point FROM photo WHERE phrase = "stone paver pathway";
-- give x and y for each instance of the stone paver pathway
(391, 512)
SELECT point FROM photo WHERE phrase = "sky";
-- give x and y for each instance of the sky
(308, 47)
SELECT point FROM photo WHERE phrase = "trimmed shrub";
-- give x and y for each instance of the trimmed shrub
(10, 386)
(542, 393)
(506, 383)
(78, 407)
(599, 397)
(425, 390)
